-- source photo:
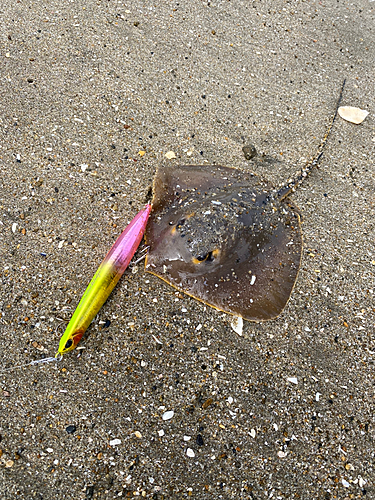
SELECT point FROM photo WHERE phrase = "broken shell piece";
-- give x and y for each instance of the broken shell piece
(168, 415)
(170, 155)
(293, 380)
(237, 325)
(353, 115)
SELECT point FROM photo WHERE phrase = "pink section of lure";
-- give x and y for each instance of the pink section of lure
(127, 243)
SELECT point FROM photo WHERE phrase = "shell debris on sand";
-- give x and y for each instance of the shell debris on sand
(352, 114)
(168, 415)
(115, 442)
(293, 380)
(170, 155)
(237, 324)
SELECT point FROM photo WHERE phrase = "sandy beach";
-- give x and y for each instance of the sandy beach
(164, 400)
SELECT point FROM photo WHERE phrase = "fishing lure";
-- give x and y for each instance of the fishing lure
(104, 281)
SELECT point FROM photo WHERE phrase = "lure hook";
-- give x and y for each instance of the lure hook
(51, 359)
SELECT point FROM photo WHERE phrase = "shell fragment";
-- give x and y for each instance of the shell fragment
(352, 115)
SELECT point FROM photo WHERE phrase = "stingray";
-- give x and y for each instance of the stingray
(227, 237)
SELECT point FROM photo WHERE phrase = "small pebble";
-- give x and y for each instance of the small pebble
(187, 438)
(253, 433)
(199, 440)
(71, 429)
(89, 491)
(281, 454)
(249, 151)
(345, 483)
(190, 453)
(207, 403)
(137, 434)
(161, 433)
(168, 415)
(115, 442)
(9, 463)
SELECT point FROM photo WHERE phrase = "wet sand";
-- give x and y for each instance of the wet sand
(93, 96)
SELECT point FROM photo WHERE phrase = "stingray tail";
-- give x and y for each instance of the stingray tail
(291, 186)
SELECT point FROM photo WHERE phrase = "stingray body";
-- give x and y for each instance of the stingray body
(226, 237)
(213, 235)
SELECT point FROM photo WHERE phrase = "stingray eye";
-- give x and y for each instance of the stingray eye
(208, 257)
(68, 344)
(201, 258)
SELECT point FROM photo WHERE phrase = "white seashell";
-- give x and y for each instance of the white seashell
(170, 155)
(168, 415)
(353, 115)
(293, 380)
(237, 324)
